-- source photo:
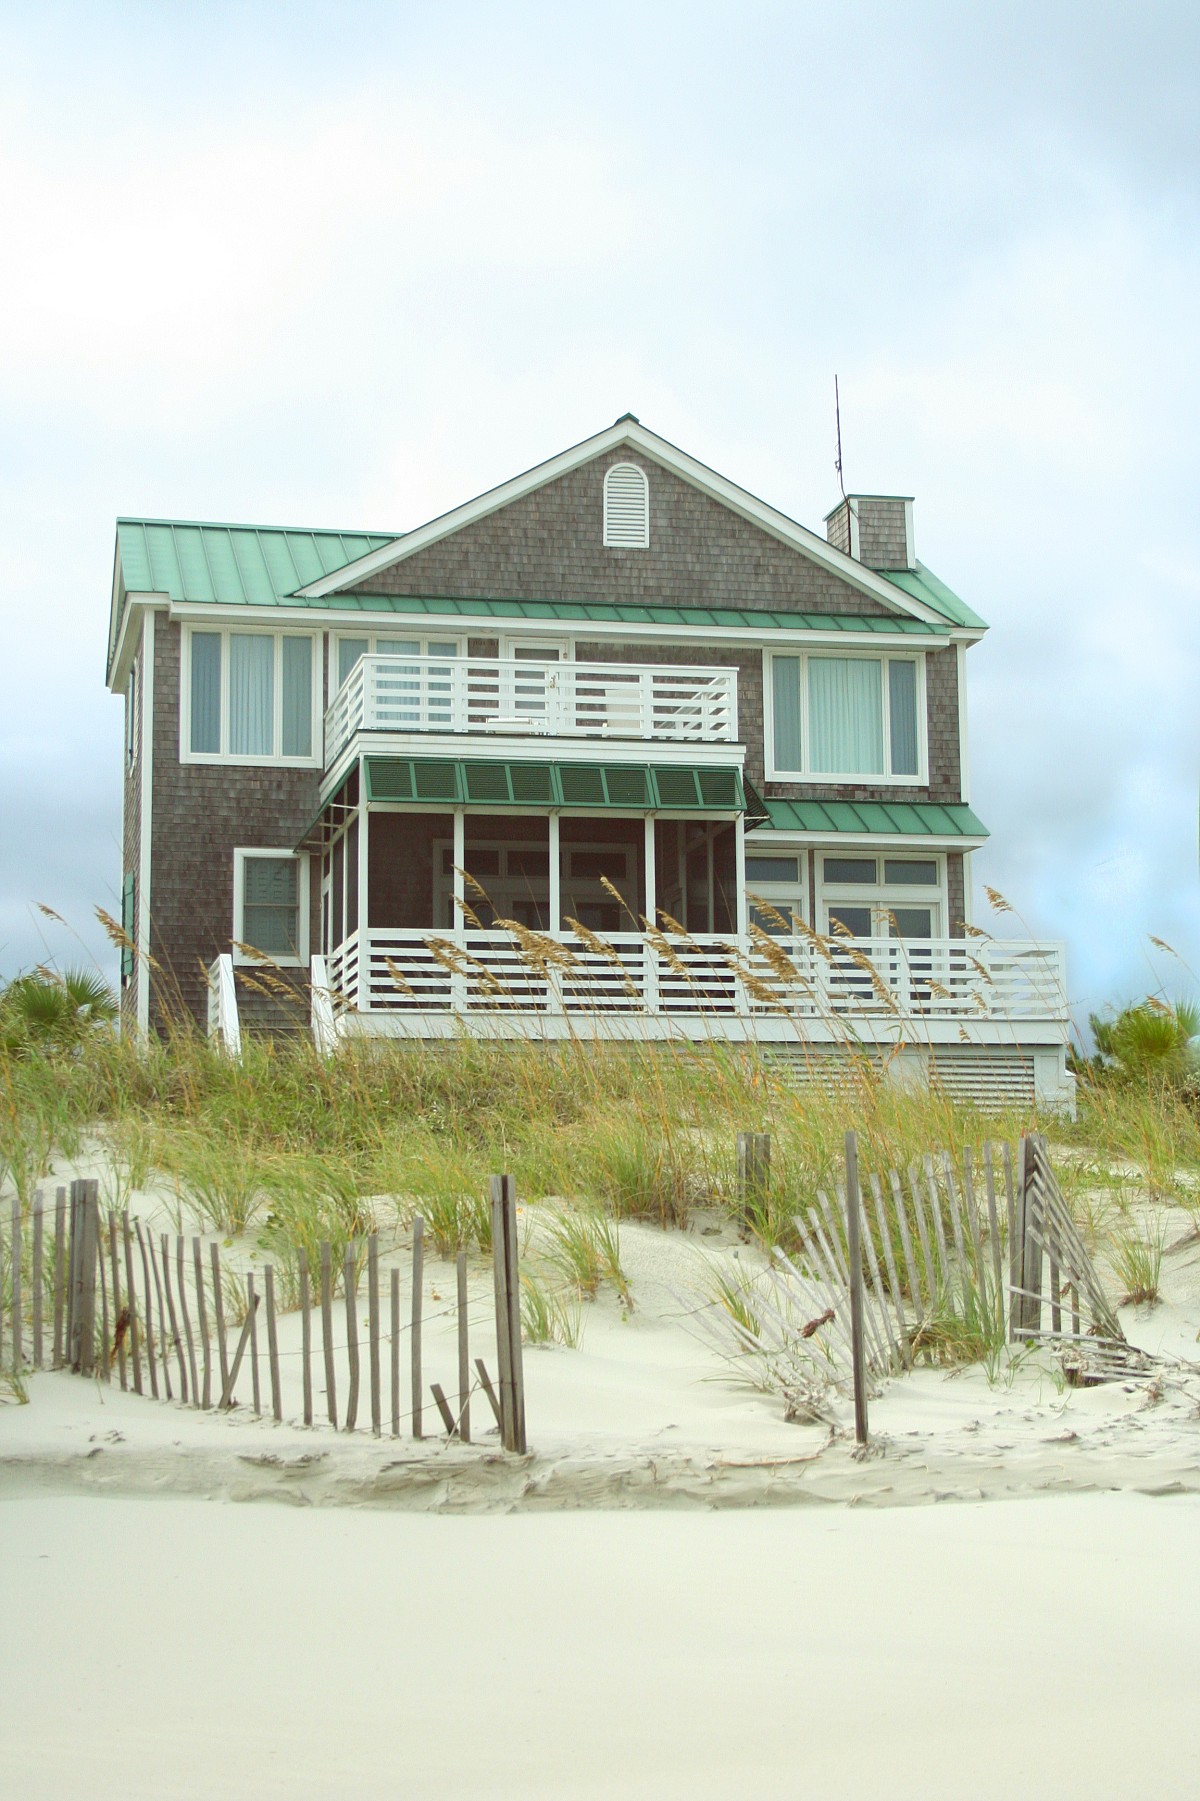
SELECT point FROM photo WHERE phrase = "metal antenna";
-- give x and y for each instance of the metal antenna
(837, 410)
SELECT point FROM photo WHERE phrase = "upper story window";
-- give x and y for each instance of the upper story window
(846, 718)
(351, 649)
(626, 507)
(249, 697)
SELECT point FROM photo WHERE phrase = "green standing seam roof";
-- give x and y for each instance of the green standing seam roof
(454, 781)
(235, 565)
(259, 565)
(923, 585)
(896, 818)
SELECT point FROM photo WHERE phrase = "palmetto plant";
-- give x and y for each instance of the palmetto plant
(1152, 1039)
(46, 1010)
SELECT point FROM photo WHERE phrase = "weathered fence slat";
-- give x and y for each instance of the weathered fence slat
(255, 1390)
(973, 1223)
(243, 1341)
(512, 1271)
(121, 1332)
(503, 1324)
(151, 1359)
(373, 1332)
(395, 1349)
(906, 1243)
(135, 1328)
(305, 1336)
(935, 1207)
(924, 1234)
(414, 1349)
(443, 1407)
(889, 1257)
(187, 1321)
(214, 1255)
(273, 1343)
(753, 1173)
(174, 1318)
(37, 1278)
(1016, 1242)
(350, 1285)
(960, 1248)
(485, 1382)
(84, 1343)
(14, 1259)
(464, 1355)
(101, 1269)
(60, 1273)
(202, 1322)
(876, 1316)
(856, 1292)
(327, 1333)
(989, 1183)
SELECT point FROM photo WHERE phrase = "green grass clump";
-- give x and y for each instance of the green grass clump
(547, 1315)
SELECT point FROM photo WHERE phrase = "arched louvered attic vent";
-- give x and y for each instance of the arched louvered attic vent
(626, 507)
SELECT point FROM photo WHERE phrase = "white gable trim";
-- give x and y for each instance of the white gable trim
(628, 432)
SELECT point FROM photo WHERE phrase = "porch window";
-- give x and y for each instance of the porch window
(843, 718)
(270, 910)
(882, 897)
(775, 891)
(249, 697)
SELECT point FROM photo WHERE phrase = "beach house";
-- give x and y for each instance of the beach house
(615, 749)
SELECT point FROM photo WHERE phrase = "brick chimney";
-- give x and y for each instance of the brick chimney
(874, 529)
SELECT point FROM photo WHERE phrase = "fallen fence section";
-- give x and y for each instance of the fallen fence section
(185, 1301)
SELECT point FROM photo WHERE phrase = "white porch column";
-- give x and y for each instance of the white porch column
(649, 954)
(458, 926)
(555, 921)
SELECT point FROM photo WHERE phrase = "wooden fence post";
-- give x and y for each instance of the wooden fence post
(373, 1332)
(418, 1280)
(83, 1359)
(202, 1320)
(135, 1334)
(753, 1173)
(60, 1274)
(464, 1356)
(18, 1336)
(165, 1247)
(395, 1350)
(507, 1277)
(36, 1278)
(1016, 1237)
(305, 1337)
(151, 1359)
(214, 1255)
(273, 1344)
(1031, 1313)
(854, 1257)
(115, 1259)
(187, 1320)
(350, 1287)
(255, 1391)
(243, 1341)
(327, 1332)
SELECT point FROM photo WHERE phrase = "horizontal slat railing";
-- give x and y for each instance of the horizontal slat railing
(665, 703)
(471, 971)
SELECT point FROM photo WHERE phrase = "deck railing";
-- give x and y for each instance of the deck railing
(654, 702)
(468, 972)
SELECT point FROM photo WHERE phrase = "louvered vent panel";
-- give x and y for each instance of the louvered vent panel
(626, 508)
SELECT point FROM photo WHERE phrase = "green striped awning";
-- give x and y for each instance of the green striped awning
(629, 787)
(894, 818)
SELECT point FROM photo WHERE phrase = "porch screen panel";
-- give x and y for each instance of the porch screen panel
(786, 674)
(206, 692)
(902, 694)
(845, 715)
(297, 697)
(352, 878)
(251, 694)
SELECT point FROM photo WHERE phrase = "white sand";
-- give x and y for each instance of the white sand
(186, 1649)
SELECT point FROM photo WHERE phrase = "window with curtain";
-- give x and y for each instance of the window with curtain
(844, 716)
(250, 695)
(270, 920)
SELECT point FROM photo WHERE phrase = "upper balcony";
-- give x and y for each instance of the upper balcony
(641, 703)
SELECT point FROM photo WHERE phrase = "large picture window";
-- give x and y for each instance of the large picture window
(846, 718)
(249, 697)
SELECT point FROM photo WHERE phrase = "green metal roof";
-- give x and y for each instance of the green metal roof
(923, 585)
(901, 818)
(631, 787)
(607, 613)
(237, 565)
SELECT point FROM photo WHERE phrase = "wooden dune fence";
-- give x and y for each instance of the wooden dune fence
(889, 1266)
(96, 1292)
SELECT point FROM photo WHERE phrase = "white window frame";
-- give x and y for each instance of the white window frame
(611, 543)
(786, 896)
(241, 856)
(422, 638)
(224, 756)
(866, 778)
(133, 721)
(880, 896)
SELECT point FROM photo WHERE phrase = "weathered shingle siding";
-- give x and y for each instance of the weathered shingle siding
(882, 540)
(955, 896)
(201, 812)
(549, 545)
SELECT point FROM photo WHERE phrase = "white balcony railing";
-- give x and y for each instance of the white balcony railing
(648, 701)
(908, 981)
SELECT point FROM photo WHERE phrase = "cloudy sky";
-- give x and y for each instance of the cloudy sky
(351, 264)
